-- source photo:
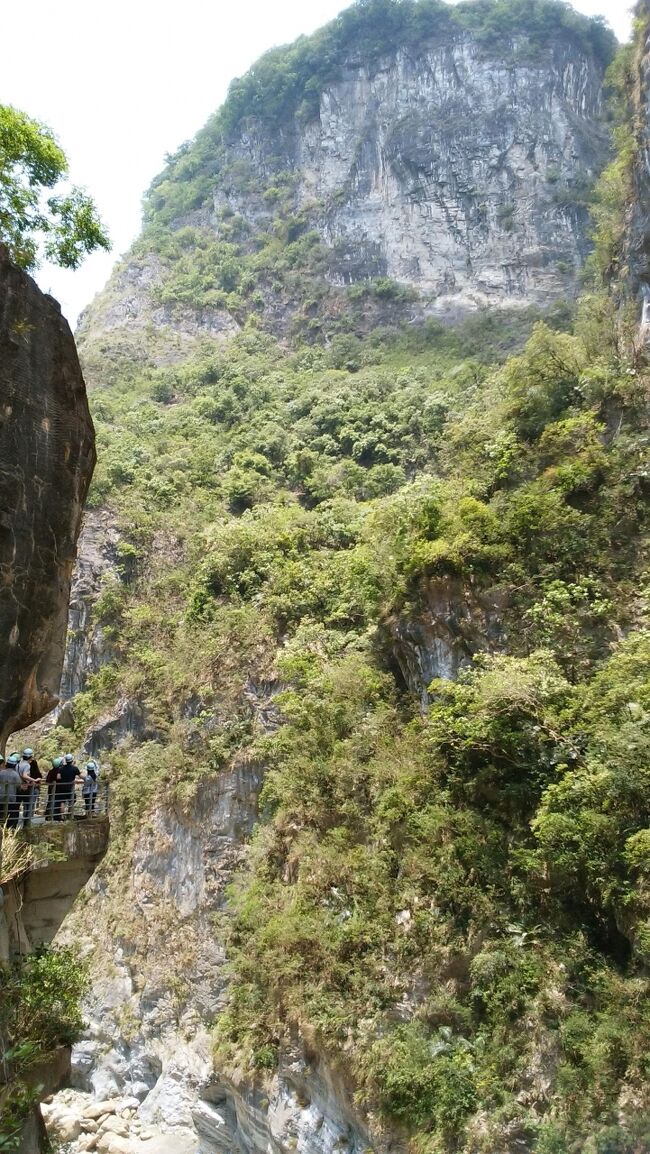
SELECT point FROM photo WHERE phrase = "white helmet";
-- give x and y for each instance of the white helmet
(69, 757)
(28, 752)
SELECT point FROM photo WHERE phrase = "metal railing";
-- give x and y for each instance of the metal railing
(55, 802)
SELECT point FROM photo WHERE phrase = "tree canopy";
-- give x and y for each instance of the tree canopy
(64, 226)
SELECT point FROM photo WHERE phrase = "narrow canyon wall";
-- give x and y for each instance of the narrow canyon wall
(47, 457)
(34, 905)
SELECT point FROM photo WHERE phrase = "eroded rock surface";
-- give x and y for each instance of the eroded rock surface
(456, 168)
(638, 225)
(47, 457)
(458, 171)
(142, 1045)
(97, 556)
(454, 623)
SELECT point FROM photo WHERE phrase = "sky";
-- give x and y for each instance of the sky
(124, 82)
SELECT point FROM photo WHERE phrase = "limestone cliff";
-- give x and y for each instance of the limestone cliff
(453, 169)
(429, 168)
(47, 457)
(637, 239)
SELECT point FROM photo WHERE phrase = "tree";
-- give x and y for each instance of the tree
(66, 223)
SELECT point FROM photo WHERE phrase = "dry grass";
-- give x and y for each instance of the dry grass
(16, 856)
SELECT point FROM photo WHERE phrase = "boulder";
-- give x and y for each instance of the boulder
(62, 1126)
(99, 1108)
(84, 1055)
(139, 1091)
(113, 1144)
(115, 1125)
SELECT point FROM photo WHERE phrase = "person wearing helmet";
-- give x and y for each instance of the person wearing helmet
(66, 778)
(29, 771)
(50, 781)
(9, 782)
(29, 784)
(89, 787)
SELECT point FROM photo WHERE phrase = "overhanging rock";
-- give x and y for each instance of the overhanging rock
(47, 456)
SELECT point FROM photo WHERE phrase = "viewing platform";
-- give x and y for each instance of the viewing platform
(65, 855)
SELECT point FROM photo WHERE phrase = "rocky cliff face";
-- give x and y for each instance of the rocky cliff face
(637, 239)
(86, 649)
(34, 904)
(451, 170)
(438, 177)
(145, 1048)
(47, 457)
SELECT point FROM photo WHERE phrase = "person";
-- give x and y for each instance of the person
(50, 781)
(28, 767)
(90, 787)
(66, 779)
(9, 782)
(25, 793)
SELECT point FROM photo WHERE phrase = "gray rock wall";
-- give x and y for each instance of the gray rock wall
(34, 904)
(47, 457)
(141, 1044)
(461, 172)
(637, 246)
(86, 648)
(458, 171)
(453, 623)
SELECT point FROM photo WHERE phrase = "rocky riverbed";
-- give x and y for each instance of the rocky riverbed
(78, 1122)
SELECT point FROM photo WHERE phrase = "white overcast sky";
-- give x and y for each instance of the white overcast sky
(123, 82)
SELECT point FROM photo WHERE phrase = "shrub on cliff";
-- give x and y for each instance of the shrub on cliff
(39, 1011)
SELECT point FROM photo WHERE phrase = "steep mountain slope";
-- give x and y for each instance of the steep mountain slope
(409, 159)
(375, 680)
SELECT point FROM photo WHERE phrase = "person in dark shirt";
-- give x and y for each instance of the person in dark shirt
(66, 779)
(50, 781)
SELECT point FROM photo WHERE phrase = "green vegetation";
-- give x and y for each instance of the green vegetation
(279, 511)
(230, 234)
(31, 165)
(287, 82)
(39, 1011)
(447, 890)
